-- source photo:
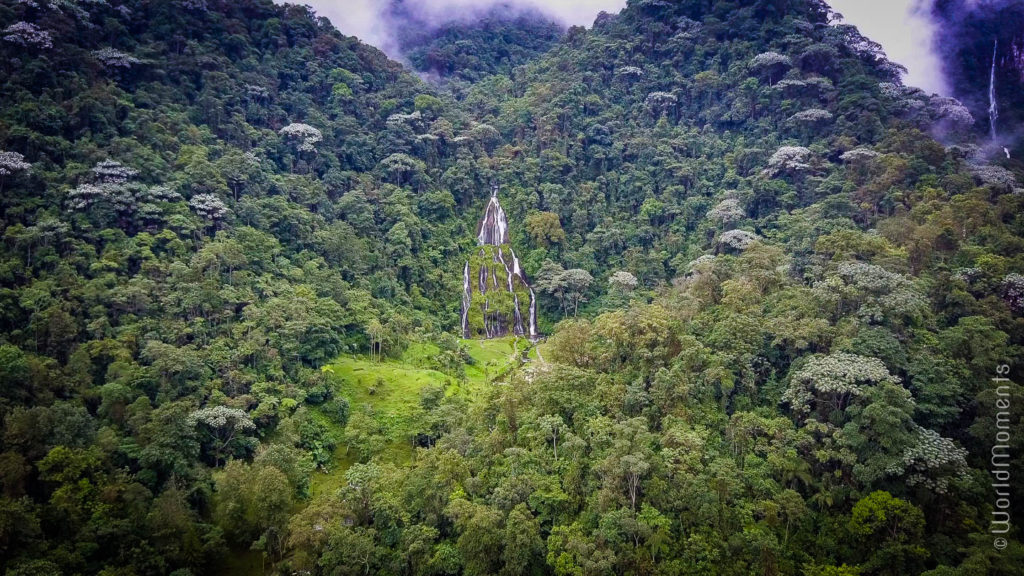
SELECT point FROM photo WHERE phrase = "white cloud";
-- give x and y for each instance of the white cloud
(905, 32)
(362, 18)
(578, 12)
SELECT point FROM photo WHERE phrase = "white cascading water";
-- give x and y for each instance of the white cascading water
(494, 232)
(993, 105)
(467, 299)
(518, 326)
(532, 315)
(494, 226)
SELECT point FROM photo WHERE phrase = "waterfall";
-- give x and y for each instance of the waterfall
(467, 301)
(518, 326)
(993, 107)
(494, 226)
(533, 315)
(496, 257)
(482, 277)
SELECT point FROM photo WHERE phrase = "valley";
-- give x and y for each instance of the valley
(703, 288)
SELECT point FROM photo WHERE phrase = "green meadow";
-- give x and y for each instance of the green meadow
(390, 390)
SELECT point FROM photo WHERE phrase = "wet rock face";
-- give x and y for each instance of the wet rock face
(494, 225)
(494, 287)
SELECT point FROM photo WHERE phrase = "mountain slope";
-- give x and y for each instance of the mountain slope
(777, 285)
(203, 202)
(473, 45)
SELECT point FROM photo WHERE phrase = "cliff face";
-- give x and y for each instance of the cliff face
(494, 287)
(982, 45)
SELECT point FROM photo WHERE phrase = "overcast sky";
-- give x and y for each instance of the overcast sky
(904, 34)
(903, 31)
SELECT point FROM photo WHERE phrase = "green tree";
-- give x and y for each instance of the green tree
(523, 545)
(252, 504)
(891, 531)
(544, 229)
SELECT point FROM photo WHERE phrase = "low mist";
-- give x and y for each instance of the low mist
(369, 19)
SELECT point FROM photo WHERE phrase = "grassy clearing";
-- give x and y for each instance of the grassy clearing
(491, 358)
(391, 390)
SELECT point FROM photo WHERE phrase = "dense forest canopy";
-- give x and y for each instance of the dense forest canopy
(778, 286)
(472, 44)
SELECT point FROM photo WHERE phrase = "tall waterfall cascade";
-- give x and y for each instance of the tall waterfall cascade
(993, 104)
(493, 283)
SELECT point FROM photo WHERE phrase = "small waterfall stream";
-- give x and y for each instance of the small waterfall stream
(492, 238)
(993, 104)
(467, 296)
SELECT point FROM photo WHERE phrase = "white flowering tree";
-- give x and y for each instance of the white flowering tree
(873, 293)
(1012, 289)
(790, 86)
(997, 177)
(702, 263)
(808, 122)
(660, 103)
(224, 430)
(913, 103)
(412, 120)
(737, 240)
(622, 282)
(770, 64)
(950, 117)
(113, 191)
(210, 208)
(766, 59)
(815, 86)
(629, 73)
(69, 7)
(256, 92)
(302, 137)
(811, 116)
(109, 191)
(891, 90)
(861, 163)
(28, 35)
(828, 383)
(859, 156)
(727, 212)
(84, 196)
(113, 59)
(789, 160)
(113, 172)
(120, 197)
(878, 430)
(11, 163)
(931, 461)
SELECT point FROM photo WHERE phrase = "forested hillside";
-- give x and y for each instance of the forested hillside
(777, 284)
(471, 46)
